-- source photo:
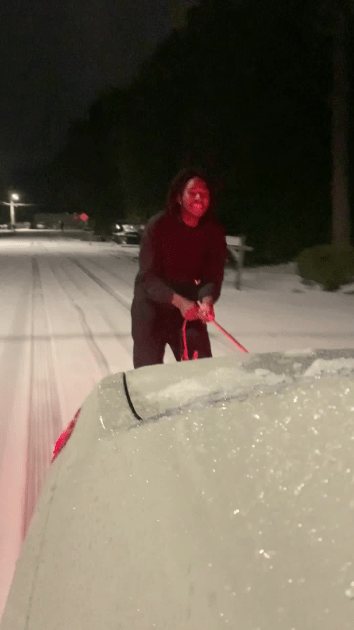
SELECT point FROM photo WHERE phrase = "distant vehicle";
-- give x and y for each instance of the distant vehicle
(204, 495)
(117, 227)
(126, 233)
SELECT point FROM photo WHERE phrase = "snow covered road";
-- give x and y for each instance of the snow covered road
(65, 324)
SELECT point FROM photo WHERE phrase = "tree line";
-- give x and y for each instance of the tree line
(256, 92)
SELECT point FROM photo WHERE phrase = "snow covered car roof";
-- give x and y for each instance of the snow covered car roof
(230, 504)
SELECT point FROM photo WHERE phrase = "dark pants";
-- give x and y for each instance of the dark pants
(166, 328)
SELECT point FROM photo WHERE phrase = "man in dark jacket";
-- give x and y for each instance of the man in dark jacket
(182, 258)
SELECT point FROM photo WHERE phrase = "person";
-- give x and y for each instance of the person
(181, 269)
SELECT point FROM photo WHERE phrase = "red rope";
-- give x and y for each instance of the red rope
(185, 349)
(185, 356)
(230, 337)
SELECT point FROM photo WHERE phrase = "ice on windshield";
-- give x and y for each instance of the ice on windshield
(333, 366)
(222, 383)
(166, 390)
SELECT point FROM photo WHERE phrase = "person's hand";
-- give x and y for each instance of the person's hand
(188, 309)
(192, 313)
(206, 310)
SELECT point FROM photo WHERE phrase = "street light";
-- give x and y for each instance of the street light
(13, 197)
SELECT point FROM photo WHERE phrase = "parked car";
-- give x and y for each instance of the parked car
(201, 494)
(126, 233)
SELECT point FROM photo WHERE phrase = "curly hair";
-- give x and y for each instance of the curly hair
(177, 186)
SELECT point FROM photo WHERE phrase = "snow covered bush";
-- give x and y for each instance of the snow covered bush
(328, 265)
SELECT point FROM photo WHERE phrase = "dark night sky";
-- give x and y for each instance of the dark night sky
(55, 57)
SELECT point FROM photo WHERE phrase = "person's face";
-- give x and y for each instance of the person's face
(196, 197)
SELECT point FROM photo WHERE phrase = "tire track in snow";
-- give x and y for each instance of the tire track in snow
(112, 271)
(10, 363)
(76, 288)
(116, 296)
(122, 339)
(44, 420)
(89, 336)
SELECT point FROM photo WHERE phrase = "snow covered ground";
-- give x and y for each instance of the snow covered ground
(65, 324)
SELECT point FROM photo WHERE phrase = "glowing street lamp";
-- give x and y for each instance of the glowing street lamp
(13, 197)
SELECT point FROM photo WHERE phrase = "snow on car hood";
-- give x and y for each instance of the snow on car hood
(168, 389)
(230, 505)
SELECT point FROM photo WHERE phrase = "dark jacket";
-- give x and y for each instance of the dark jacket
(173, 256)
